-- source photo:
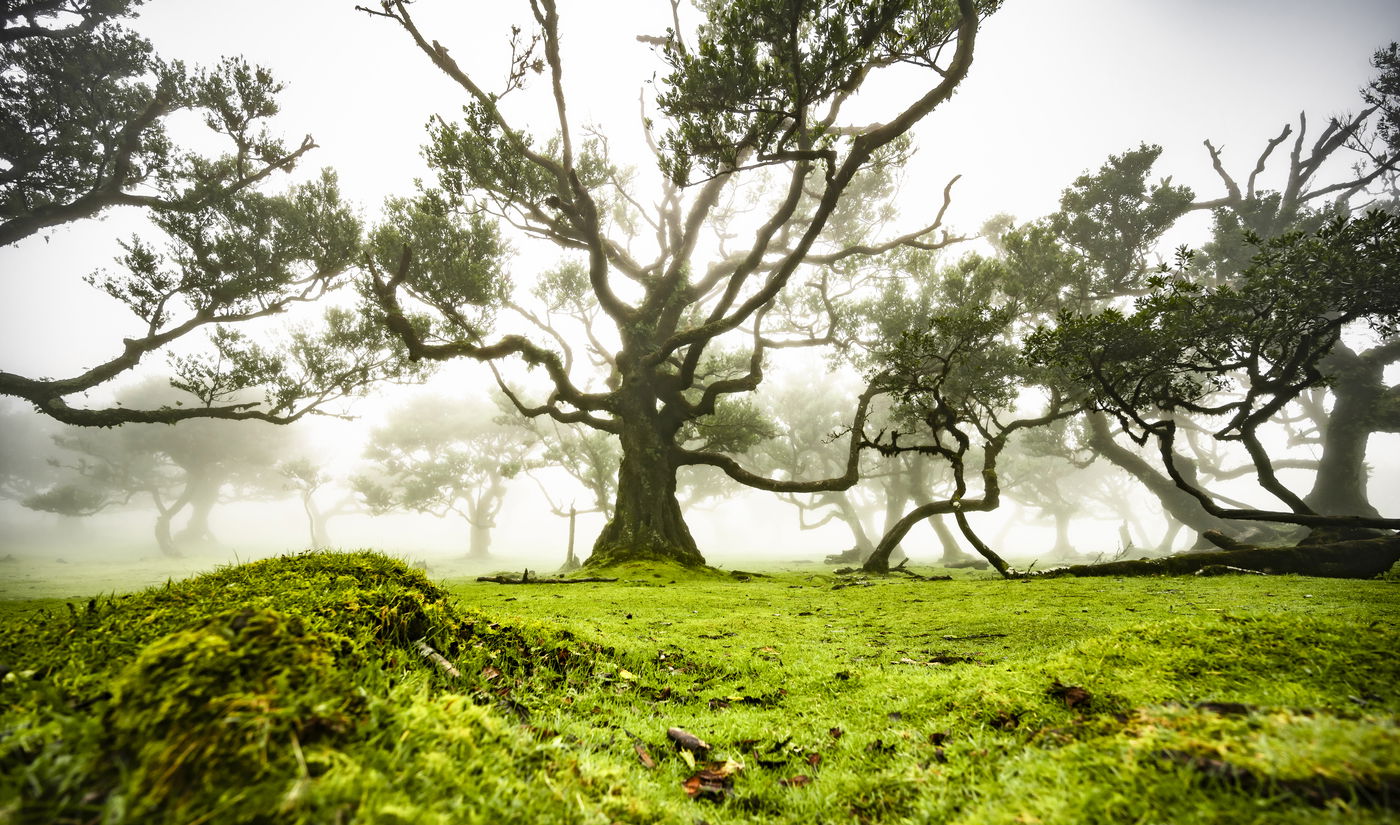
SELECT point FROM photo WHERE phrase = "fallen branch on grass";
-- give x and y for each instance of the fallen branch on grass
(438, 659)
(525, 579)
(1355, 559)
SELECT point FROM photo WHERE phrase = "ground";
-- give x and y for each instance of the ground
(824, 699)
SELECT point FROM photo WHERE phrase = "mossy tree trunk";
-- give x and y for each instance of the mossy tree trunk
(647, 523)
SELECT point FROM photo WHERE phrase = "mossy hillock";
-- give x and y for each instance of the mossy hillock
(287, 690)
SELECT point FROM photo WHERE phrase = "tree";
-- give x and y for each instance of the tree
(757, 90)
(84, 105)
(1237, 352)
(191, 468)
(443, 457)
(959, 378)
(307, 478)
(1362, 401)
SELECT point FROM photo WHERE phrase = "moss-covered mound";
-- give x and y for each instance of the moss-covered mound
(285, 690)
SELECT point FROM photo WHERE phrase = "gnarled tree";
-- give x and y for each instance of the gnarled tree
(757, 92)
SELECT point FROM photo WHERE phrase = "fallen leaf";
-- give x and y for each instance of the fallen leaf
(1073, 695)
(801, 780)
(643, 755)
(628, 675)
(714, 781)
(814, 760)
(687, 741)
(937, 738)
(689, 758)
(490, 673)
(836, 733)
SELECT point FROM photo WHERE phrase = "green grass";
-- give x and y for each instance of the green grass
(1229, 700)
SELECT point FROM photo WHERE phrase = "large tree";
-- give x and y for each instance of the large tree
(84, 108)
(1238, 352)
(756, 93)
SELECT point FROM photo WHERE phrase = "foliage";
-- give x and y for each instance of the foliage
(758, 70)
(1261, 336)
(84, 110)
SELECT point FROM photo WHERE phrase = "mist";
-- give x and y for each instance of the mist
(440, 467)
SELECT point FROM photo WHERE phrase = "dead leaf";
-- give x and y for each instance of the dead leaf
(836, 733)
(643, 755)
(714, 781)
(628, 675)
(937, 738)
(799, 781)
(1073, 695)
(490, 673)
(1007, 721)
(687, 741)
(814, 760)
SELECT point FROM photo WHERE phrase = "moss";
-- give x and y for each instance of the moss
(1259, 699)
(241, 695)
(287, 690)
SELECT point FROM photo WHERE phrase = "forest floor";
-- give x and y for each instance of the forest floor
(821, 698)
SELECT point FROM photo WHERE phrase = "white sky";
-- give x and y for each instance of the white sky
(1055, 87)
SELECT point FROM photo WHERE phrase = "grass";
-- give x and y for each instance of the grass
(1230, 700)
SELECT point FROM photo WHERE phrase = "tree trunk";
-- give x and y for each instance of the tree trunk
(164, 516)
(851, 516)
(316, 522)
(480, 547)
(647, 523)
(202, 493)
(571, 562)
(164, 540)
(1339, 489)
(1063, 547)
(1179, 504)
(1357, 559)
(1164, 547)
(953, 555)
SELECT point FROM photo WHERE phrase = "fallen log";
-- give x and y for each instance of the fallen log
(525, 579)
(1355, 559)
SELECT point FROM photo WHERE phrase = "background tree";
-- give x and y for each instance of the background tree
(961, 390)
(443, 457)
(1238, 352)
(84, 109)
(759, 88)
(188, 469)
(306, 477)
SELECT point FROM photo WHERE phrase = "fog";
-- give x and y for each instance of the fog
(1054, 90)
